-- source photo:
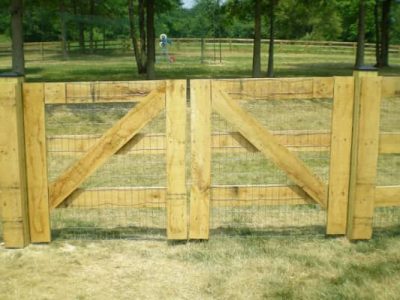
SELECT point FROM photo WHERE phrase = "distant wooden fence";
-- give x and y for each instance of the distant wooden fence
(40, 50)
(354, 141)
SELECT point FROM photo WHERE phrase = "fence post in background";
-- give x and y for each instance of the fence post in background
(176, 143)
(36, 162)
(339, 171)
(13, 187)
(199, 224)
(202, 46)
(364, 156)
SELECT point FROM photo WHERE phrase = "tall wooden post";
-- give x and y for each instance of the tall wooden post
(339, 171)
(364, 157)
(201, 159)
(13, 185)
(176, 144)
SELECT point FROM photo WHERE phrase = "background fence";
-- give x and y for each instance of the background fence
(207, 50)
(297, 155)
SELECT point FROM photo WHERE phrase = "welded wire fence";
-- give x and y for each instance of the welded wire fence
(388, 173)
(249, 190)
(124, 198)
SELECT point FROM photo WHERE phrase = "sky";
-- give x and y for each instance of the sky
(188, 3)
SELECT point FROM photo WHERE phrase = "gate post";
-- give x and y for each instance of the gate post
(364, 156)
(176, 171)
(201, 159)
(13, 185)
(339, 171)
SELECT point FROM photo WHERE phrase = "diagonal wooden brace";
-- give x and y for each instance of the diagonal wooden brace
(265, 142)
(112, 141)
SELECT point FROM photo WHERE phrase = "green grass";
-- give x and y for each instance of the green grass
(116, 65)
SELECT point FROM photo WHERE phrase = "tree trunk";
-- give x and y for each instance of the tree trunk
(257, 40)
(151, 49)
(136, 49)
(385, 28)
(377, 33)
(63, 30)
(142, 35)
(91, 30)
(361, 36)
(81, 27)
(270, 71)
(17, 37)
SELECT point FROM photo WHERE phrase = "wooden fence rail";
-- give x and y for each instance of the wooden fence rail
(353, 144)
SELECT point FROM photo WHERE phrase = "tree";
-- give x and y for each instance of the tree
(151, 47)
(360, 36)
(257, 40)
(270, 70)
(385, 29)
(17, 37)
(139, 47)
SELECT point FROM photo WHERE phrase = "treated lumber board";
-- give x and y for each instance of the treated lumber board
(201, 159)
(389, 143)
(99, 92)
(154, 143)
(177, 225)
(113, 140)
(267, 195)
(364, 157)
(122, 197)
(386, 196)
(390, 86)
(36, 162)
(13, 189)
(277, 89)
(263, 140)
(339, 171)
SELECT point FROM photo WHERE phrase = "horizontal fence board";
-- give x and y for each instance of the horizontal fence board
(155, 197)
(99, 91)
(117, 197)
(390, 86)
(221, 142)
(233, 196)
(387, 196)
(389, 143)
(278, 89)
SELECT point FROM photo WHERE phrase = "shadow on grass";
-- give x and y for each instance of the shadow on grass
(125, 233)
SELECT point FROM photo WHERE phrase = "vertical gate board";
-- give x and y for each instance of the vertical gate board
(365, 156)
(36, 162)
(264, 141)
(339, 171)
(176, 144)
(201, 159)
(113, 140)
(13, 194)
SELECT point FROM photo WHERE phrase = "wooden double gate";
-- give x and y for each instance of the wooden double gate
(349, 197)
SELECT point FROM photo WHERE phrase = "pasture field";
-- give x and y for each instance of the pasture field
(290, 61)
(257, 252)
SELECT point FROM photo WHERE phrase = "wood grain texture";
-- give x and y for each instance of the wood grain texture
(177, 225)
(264, 141)
(99, 92)
(201, 159)
(389, 143)
(277, 89)
(365, 158)
(387, 196)
(339, 171)
(13, 190)
(113, 140)
(36, 162)
(390, 86)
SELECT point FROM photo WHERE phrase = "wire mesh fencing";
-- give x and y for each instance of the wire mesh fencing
(123, 198)
(248, 190)
(388, 173)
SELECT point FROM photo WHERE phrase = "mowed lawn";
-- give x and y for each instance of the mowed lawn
(293, 262)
